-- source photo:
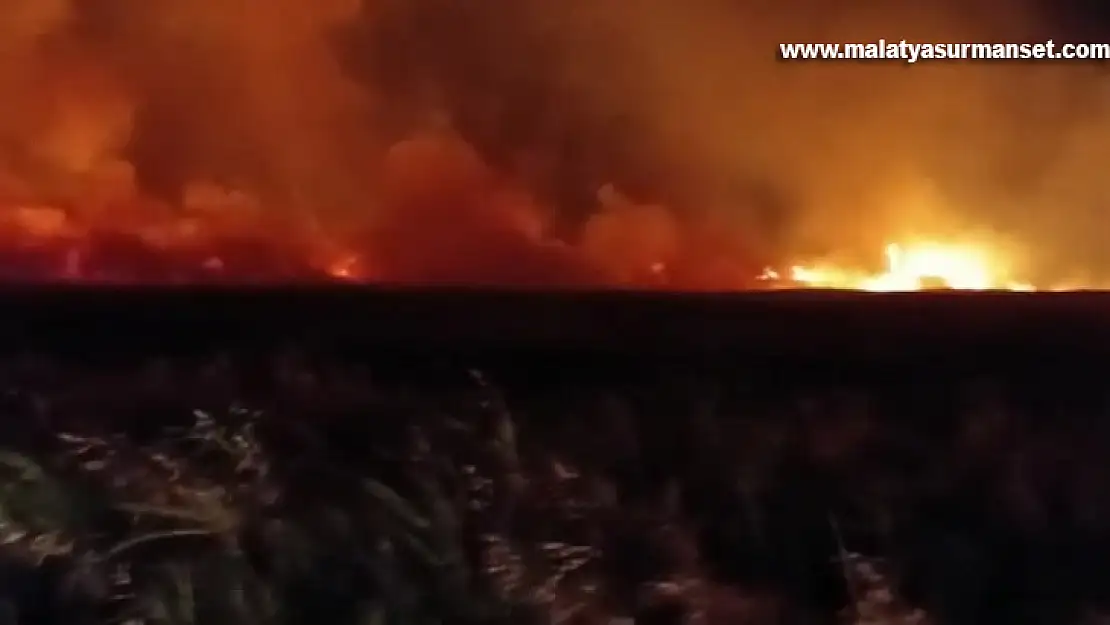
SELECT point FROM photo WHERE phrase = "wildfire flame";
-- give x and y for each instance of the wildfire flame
(200, 141)
(446, 218)
(40, 243)
(915, 267)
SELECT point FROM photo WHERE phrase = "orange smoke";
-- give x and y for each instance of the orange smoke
(444, 216)
(593, 145)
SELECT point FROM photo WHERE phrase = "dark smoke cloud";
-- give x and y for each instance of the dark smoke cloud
(638, 133)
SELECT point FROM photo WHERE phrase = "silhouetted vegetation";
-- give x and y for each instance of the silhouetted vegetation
(293, 491)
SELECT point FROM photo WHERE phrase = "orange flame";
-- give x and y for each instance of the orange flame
(445, 217)
(915, 267)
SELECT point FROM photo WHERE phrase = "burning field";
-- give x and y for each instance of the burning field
(445, 218)
(528, 313)
(354, 142)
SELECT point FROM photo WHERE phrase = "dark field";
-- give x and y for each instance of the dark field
(351, 457)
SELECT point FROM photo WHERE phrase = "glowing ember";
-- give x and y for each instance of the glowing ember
(346, 268)
(915, 267)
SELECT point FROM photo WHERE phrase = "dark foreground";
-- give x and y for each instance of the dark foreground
(809, 326)
(412, 457)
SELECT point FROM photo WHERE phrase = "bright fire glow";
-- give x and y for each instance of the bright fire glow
(916, 267)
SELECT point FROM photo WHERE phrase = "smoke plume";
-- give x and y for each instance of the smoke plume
(578, 143)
